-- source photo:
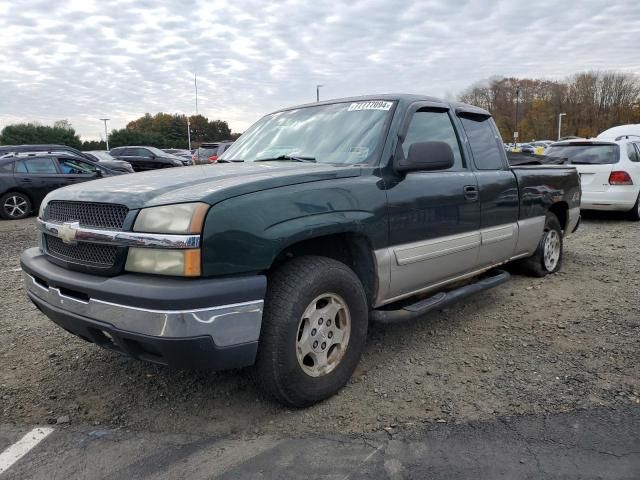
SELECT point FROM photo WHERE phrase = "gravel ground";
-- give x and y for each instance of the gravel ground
(567, 342)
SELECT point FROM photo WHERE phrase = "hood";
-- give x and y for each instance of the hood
(204, 183)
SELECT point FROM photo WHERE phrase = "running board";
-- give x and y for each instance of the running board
(439, 300)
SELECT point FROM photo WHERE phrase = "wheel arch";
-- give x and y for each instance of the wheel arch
(353, 249)
(561, 210)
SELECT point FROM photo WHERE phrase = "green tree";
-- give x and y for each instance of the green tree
(125, 137)
(94, 145)
(31, 133)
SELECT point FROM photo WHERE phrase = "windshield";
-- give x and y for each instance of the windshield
(101, 155)
(586, 153)
(340, 133)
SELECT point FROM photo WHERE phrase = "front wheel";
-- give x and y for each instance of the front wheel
(548, 256)
(314, 330)
(15, 205)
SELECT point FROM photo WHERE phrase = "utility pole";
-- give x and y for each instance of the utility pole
(189, 133)
(560, 124)
(106, 134)
(195, 83)
(318, 92)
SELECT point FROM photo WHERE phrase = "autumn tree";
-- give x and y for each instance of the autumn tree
(593, 102)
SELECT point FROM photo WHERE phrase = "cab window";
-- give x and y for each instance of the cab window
(433, 126)
(484, 141)
(69, 166)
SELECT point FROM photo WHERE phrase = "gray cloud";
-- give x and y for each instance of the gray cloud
(82, 60)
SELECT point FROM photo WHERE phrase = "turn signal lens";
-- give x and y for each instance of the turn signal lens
(620, 178)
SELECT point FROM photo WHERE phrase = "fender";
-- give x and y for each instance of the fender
(244, 234)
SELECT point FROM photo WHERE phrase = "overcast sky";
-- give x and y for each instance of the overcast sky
(83, 60)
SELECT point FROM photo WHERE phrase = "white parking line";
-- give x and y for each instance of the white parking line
(19, 449)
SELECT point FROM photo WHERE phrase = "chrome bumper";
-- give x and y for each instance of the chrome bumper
(227, 325)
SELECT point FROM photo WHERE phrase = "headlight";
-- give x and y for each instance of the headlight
(184, 219)
(184, 263)
(181, 218)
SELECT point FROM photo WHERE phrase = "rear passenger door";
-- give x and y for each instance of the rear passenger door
(499, 199)
(37, 176)
(434, 216)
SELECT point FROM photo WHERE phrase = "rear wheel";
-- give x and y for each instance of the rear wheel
(313, 331)
(634, 213)
(15, 205)
(548, 256)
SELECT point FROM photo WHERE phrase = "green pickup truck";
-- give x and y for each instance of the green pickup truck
(319, 219)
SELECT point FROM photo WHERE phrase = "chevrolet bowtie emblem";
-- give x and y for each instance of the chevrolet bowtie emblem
(67, 232)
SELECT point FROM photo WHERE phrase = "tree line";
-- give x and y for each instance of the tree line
(592, 102)
(162, 130)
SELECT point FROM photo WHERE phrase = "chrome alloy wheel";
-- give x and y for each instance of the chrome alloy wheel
(551, 253)
(323, 335)
(15, 206)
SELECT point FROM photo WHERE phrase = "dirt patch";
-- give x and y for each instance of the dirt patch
(568, 341)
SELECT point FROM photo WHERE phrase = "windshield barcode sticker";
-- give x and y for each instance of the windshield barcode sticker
(375, 105)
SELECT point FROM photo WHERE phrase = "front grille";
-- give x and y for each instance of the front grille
(98, 215)
(92, 254)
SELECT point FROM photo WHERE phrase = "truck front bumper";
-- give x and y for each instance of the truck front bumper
(185, 323)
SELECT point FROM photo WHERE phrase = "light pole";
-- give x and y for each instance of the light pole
(560, 124)
(318, 92)
(106, 134)
(189, 133)
(516, 133)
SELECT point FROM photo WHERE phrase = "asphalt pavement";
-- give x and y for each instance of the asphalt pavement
(587, 444)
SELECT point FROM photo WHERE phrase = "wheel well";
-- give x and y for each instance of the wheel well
(353, 250)
(560, 210)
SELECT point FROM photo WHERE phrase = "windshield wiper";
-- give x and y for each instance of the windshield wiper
(294, 158)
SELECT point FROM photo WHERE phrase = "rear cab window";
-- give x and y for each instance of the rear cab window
(486, 145)
(586, 153)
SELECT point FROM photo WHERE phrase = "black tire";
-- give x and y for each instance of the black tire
(15, 205)
(535, 265)
(292, 288)
(634, 213)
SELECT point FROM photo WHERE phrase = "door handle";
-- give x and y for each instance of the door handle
(27, 180)
(471, 193)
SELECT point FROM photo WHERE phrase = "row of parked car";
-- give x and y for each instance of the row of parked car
(29, 172)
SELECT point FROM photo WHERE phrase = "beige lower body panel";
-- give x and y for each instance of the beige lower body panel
(410, 269)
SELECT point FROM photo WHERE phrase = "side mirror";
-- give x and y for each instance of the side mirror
(426, 156)
(98, 173)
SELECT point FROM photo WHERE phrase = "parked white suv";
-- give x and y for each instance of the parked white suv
(609, 171)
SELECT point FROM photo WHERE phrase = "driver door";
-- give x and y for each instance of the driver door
(74, 171)
(434, 216)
